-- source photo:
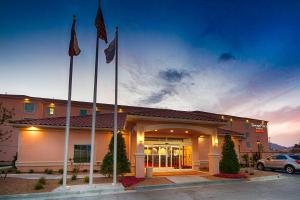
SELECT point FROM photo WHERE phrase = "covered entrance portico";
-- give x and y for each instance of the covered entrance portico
(174, 144)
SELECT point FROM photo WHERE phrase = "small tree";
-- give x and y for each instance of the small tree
(123, 165)
(5, 116)
(229, 163)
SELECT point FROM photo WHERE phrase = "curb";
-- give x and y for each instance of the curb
(56, 195)
(182, 185)
(266, 178)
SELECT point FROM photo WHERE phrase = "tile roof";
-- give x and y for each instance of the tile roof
(103, 121)
(224, 131)
(125, 107)
(175, 114)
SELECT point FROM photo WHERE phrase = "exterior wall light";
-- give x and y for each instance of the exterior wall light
(171, 131)
(26, 100)
(186, 131)
(155, 130)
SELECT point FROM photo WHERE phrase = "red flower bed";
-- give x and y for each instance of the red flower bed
(131, 180)
(235, 176)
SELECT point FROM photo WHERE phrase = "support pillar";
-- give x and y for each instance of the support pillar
(195, 153)
(139, 155)
(214, 154)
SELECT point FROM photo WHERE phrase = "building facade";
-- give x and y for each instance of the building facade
(158, 138)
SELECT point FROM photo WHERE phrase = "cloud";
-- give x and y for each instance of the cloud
(173, 75)
(157, 97)
(226, 57)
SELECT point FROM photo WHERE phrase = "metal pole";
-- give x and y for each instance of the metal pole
(94, 115)
(116, 112)
(68, 124)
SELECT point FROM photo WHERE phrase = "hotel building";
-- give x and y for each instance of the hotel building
(158, 138)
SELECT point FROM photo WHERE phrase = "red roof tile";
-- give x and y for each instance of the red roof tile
(103, 121)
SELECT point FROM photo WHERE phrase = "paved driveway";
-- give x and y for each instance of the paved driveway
(287, 189)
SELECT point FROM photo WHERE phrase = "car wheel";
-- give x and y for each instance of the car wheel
(290, 169)
(260, 166)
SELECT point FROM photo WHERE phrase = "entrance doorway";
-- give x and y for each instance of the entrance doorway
(168, 153)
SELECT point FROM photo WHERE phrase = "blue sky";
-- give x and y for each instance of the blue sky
(233, 57)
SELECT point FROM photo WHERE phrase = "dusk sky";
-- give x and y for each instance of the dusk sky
(232, 57)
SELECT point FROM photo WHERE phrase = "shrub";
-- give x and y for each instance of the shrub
(75, 170)
(61, 171)
(38, 186)
(50, 171)
(60, 181)
(31, 171)
(42, 180)
(86, 179)
(74, 177)
(131, 180)
(85, 170)
(123, 165)
(18, 172)
(229, 163)
(46, 171)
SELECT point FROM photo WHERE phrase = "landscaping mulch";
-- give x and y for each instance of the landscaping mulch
(151, 181)
(22, 186)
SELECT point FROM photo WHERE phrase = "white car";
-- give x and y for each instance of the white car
(289, 163)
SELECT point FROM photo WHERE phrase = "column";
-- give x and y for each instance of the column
(195, 153)
(139, 155)
(214, 154)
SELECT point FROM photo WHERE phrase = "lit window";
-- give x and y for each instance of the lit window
(29, 107)
(82, 112)
(51, 110)
(82, 153)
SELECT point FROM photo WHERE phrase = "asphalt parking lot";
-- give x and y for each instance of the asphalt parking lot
(286, 188)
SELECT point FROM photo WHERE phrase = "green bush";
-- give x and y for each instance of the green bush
(74, 177)
(50, 171)
(31, 171)
(42, 180)
(38, 186)
(18, 172)
(75, 170)
(86, 179)
(85, 170)
(46, 171)
(123, 165)
(60, 181)
(229, 163)
(61, 171)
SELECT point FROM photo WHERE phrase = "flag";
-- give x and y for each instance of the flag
(99, 23)
(110, 51)
(74, 49)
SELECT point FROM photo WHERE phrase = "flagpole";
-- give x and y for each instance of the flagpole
(116, 111)
(68, 123)
(94, 115)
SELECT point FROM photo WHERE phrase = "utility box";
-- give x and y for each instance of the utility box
(149, 172)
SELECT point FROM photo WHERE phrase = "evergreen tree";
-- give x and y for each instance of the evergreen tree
(123, 165)
(229, 163)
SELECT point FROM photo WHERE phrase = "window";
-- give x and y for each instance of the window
(82, 153)
(50, 111)
(248, 144)
(82, 112)
(247, 135)
(246, 125)
(281, 157)
(29, 107)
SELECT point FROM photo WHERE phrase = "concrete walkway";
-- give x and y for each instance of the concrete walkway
(187, 179)
(48, 176)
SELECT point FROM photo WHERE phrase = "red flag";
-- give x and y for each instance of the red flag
(74, 49)
(99, 23)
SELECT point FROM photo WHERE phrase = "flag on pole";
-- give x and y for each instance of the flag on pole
(110, 51)
(74, 49)
(100, 25)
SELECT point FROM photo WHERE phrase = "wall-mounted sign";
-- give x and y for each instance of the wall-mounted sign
(259, 128)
